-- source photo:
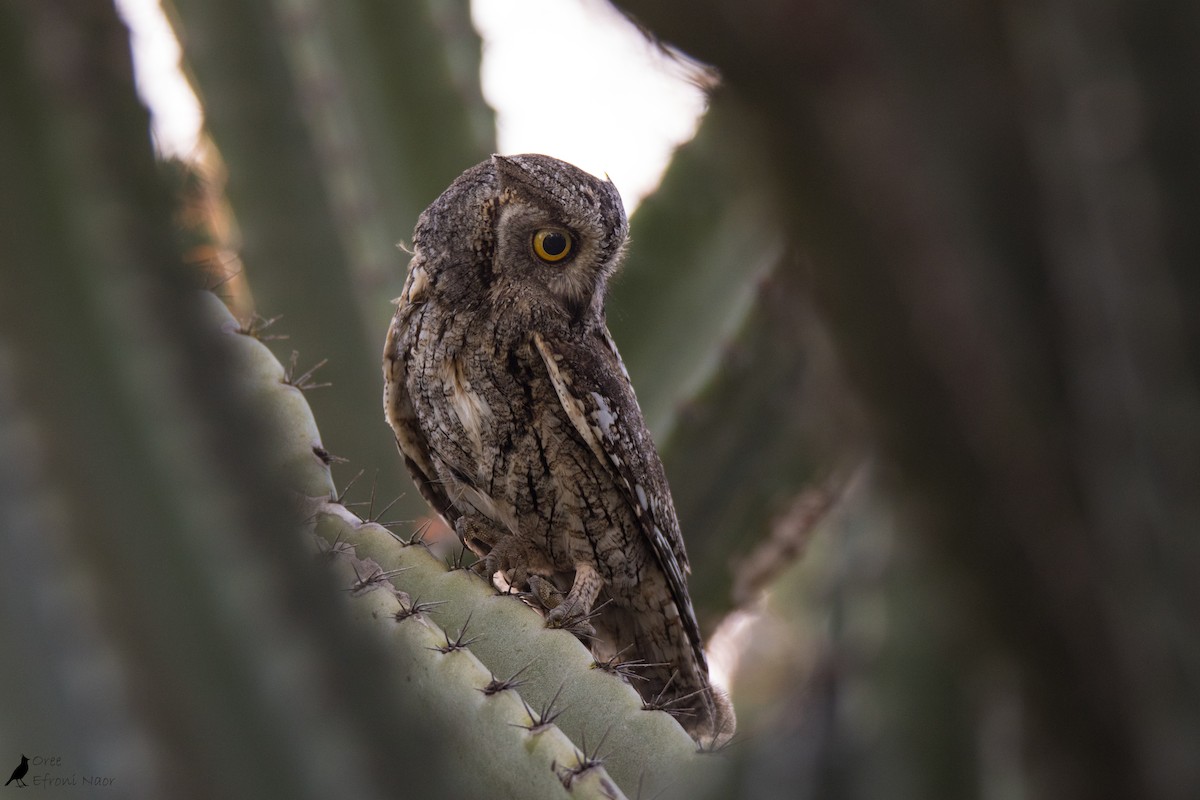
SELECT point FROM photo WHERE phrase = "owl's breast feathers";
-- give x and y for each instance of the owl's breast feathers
(437, 404)
(400, 413)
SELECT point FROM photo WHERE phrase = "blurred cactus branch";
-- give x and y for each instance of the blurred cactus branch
(737, 377)
(165, 505)
(311, 106)
(992, 201)
(772, 426)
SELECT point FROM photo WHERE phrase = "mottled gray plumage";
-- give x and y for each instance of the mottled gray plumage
(517, 419)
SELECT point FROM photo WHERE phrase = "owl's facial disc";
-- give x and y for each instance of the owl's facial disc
(540, 252)
(559, 231)
(580, 201)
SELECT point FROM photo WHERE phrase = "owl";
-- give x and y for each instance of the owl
(515, 415)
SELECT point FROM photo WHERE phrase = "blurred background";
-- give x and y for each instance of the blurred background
(910, 307)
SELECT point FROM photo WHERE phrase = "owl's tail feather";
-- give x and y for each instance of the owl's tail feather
(663, 667)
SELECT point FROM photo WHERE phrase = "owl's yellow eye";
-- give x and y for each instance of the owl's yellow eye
(551, 244)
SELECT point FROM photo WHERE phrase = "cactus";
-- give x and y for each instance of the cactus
(639, 747)
(177, 637)
(526, 755)
(995, 206)
(735, 375)
(331, 150)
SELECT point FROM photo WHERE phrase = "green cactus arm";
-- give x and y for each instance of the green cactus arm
(761, 453)
(256, 377)
(735, 376)
(505, 752)
(699, 245)
(390, 93)
(210, 662)
(646, 748)
(318, 127)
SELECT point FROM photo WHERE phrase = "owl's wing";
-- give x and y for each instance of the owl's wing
(398, 408)
(594, 389)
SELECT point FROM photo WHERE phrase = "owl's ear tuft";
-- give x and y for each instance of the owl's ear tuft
(511, 172)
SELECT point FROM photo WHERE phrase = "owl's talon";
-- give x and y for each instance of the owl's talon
(570, 619)
(566, 617)
(572, 612)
